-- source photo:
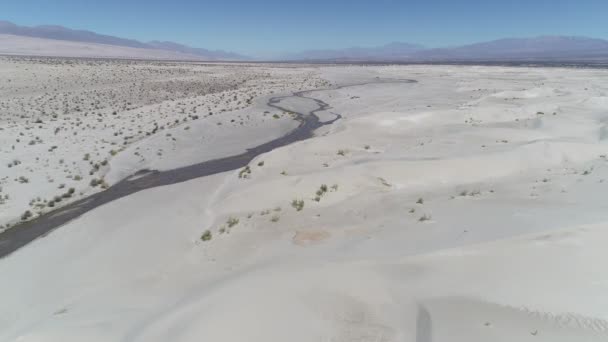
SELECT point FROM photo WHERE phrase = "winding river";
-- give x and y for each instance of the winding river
(24, 233)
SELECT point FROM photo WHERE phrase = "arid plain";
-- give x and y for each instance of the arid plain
(460, 203)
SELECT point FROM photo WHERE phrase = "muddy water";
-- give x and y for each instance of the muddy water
(24, 233)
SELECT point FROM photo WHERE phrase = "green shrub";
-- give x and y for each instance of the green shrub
(206, 235)
(298, 204)
(232, 221)
(245, 172)
(424, 218)
(26, 215)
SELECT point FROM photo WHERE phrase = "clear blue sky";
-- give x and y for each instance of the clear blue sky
(272, 26)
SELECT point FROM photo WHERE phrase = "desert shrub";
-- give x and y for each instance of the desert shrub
(245, 172)
(232, 221)
(26, 215)
(206, 235)
(424, 218)
(297, 204)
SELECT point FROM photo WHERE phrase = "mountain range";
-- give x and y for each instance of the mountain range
(515, 49)
(52, 40)
(394, 51)
(133, 49)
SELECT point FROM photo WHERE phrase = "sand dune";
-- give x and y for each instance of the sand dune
(466, 207)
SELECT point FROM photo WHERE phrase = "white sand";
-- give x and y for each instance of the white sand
(64, 123)
(512, 249)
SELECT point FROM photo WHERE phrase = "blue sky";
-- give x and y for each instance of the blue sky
(264, 28)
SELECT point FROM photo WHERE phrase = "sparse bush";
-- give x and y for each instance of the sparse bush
(420, 201)
(206, 235)
(274, 218)
(298, 204)
(245, 172)
(26, 215)
(232, 221)
(424, 218)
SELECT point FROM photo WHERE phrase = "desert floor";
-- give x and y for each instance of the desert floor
(69, 128)
(469, 206)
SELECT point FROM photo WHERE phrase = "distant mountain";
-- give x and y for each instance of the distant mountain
(217, 54)
(60, 33)
(544, 47)
(51, 38)
(31, 46)
(538, 48)
(389, 51)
